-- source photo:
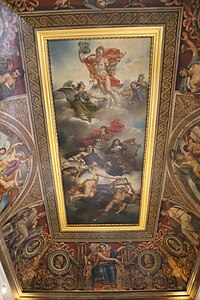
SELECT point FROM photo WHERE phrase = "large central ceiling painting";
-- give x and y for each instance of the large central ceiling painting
(102, 94)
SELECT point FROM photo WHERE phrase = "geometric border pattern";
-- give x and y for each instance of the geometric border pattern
(170, 20)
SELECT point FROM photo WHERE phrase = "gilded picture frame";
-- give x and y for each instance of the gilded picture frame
(41, 80)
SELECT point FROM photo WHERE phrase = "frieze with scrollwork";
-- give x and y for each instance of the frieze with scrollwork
(45, 265)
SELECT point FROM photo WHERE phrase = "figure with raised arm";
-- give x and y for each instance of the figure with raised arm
(102, 68)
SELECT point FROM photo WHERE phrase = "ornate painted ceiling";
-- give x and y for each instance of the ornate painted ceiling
(100, 148)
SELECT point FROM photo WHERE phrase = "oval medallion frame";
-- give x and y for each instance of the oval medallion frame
(33, 246)
(174, 245)
(58, 262)
(149, 261)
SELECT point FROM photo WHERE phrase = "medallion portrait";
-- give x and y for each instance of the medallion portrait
(148, 261)
(58, 262)
(174, 245)
(33, 246)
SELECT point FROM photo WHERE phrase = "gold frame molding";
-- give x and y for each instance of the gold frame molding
(33, 27)
(156, 34)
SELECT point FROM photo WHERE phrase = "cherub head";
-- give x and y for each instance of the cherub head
(100, 4)
(2, 151)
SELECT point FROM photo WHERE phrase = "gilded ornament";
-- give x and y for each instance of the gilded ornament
(24, 5)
